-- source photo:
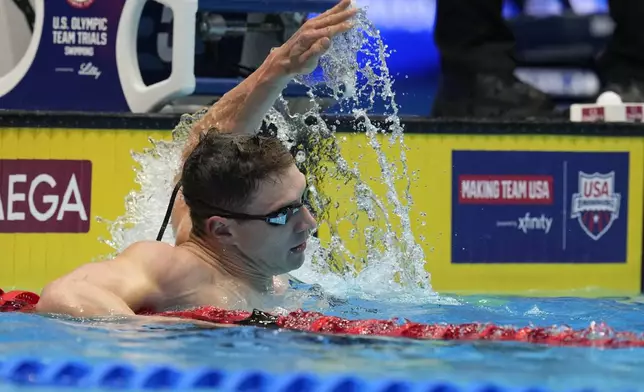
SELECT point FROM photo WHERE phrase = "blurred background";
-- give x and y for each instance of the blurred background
(556, 44)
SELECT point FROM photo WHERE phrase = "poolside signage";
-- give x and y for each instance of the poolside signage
(73, 66)
(45, 196)
(83, 56)
(596, 204)
(539, 207)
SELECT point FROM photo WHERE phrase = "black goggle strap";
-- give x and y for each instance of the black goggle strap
(279, 217)
(168, 212)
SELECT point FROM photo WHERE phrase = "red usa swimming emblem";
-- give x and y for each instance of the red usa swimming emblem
(596, 204)
(80, 3)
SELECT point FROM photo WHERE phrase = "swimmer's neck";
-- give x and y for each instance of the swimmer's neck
(229, 263)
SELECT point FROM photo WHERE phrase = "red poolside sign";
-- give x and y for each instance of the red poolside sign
(45, 196)
(593, 114)
(634, 113)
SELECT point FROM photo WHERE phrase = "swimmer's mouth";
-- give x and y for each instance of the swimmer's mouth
(300, 248)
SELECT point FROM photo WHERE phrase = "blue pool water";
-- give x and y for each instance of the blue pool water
(504, 364)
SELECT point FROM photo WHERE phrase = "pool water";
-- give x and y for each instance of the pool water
(506, 364)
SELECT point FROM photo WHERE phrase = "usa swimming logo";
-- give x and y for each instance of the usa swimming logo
(596, 205)
(80, 3)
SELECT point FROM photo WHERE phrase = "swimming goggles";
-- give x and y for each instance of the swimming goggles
(276, 218)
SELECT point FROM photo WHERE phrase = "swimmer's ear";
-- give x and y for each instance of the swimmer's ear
(219, 227)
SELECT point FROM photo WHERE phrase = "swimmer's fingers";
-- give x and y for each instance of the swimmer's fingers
(334, 30)
(336, 19)
(310, 38)
(341, 6)
(318, 48)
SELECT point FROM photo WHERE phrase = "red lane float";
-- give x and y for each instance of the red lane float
(596, 335)
(18, 300)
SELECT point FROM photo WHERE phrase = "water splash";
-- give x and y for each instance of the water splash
(154, 173)
(388, 260)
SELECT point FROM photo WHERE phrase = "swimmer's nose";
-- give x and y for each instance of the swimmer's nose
(306, 222)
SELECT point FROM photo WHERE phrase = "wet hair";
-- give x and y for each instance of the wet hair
(225, 170)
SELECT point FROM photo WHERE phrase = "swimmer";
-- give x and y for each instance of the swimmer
(240, 221)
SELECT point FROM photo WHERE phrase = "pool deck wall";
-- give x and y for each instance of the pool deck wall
(472, 242)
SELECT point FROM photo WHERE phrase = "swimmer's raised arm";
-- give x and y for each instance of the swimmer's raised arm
(120, 286)
(243, 108)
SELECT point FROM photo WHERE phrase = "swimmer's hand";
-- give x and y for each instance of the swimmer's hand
(300, 54)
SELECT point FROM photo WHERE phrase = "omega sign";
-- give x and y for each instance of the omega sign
(45, 196)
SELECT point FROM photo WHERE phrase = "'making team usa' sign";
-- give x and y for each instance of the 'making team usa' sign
(539, 207)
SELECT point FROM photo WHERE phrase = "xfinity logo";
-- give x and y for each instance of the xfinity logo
(529, 223)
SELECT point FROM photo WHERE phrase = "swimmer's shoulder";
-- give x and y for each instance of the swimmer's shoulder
(148, 253)
(148, 247)
(154, 259)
